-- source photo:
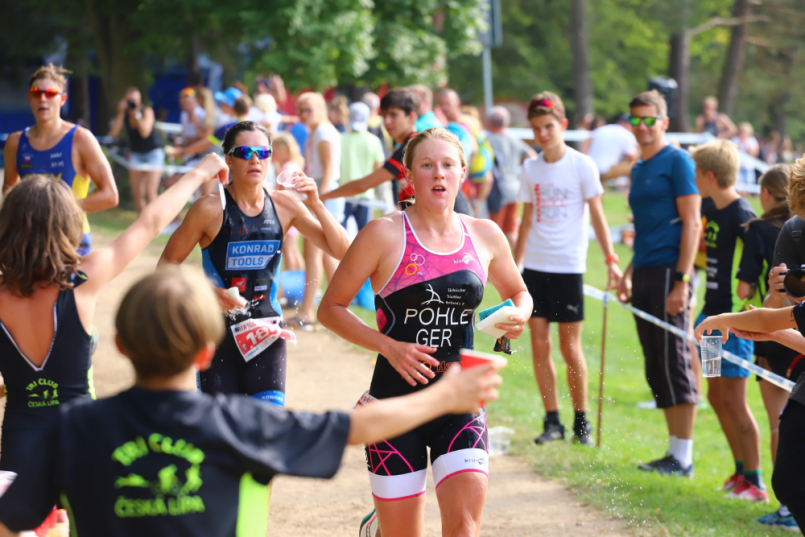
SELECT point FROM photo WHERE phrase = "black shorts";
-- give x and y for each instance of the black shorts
(788, 479)
(667, 356)
(557, 297)
(782, 361)
(262, 377)
(398, 467)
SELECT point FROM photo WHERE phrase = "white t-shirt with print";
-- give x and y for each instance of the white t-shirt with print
(559, 191)
(325, 132)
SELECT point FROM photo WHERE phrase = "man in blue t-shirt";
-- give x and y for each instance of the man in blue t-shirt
(666, 207)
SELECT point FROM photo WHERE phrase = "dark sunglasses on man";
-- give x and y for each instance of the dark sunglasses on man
(649, 121)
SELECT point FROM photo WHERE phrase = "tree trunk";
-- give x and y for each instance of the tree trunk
(580, 46)
(733, 63)
(118, 66)
(678, 69)
(79, 85)
(193, 71)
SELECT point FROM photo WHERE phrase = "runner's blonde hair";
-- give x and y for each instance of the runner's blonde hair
(720, 157)
(50, 72)
(432, 134)
(166, 318)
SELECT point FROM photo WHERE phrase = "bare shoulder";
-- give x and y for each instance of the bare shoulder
(13, 139)
(383, 228)
(206, 207)
(485, 230)
(84, 137)
(284, 198)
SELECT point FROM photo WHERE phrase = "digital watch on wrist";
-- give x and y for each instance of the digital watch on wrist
(681, 277)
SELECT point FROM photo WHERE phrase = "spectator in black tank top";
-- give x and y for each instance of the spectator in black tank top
(146, 156)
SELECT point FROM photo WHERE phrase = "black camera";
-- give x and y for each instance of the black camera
(794, 282)
(132, 104)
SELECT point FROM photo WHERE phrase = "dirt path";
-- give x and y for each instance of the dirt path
(325, 372)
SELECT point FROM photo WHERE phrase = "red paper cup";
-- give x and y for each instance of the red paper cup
(472, 358)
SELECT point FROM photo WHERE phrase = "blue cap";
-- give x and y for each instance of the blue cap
(228, 96)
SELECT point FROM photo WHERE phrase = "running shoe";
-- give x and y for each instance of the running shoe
(653, 465)
(776, 519)
(553, 431)
(368, 525)
(749, 492)
(735, 481)
(674, 467)
(583, 435)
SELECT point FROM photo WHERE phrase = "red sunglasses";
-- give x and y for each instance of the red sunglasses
(37, 93)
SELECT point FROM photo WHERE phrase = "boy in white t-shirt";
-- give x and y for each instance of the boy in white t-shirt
(560, 191)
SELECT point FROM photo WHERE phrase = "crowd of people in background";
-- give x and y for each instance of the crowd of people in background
(353, 163)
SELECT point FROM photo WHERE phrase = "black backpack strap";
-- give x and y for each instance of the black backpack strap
(796, 231)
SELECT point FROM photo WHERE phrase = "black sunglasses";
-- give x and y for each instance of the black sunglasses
(794, 282)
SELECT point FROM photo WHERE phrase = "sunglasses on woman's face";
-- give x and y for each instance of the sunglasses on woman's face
(246, 151)
(49, 93)
(649, 121)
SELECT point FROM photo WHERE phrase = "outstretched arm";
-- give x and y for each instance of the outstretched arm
(359, 186)
(756, 320)
(456, 393)
(106, 263)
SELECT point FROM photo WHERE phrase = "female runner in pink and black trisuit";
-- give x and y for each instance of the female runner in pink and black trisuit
(428, 267)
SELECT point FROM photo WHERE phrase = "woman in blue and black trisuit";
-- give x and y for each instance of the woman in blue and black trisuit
(241, 244)
(48, 294)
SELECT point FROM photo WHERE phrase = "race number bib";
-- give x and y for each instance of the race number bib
(253, 336)
(365, 399)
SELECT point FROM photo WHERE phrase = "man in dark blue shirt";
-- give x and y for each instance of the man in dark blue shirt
(666, 206)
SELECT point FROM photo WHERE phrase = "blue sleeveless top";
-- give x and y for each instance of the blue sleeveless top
(57, 164)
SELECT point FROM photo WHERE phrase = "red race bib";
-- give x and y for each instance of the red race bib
(253, 336)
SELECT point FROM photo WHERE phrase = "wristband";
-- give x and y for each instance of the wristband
(681, 277)
(610, 258)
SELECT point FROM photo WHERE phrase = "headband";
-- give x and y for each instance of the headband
(545, 103)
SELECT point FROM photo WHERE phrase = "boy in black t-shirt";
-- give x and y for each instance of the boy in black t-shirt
(164, 459)
(726, 212)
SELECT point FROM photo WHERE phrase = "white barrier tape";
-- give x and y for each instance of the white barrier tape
(777, 380)
(169, 169)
